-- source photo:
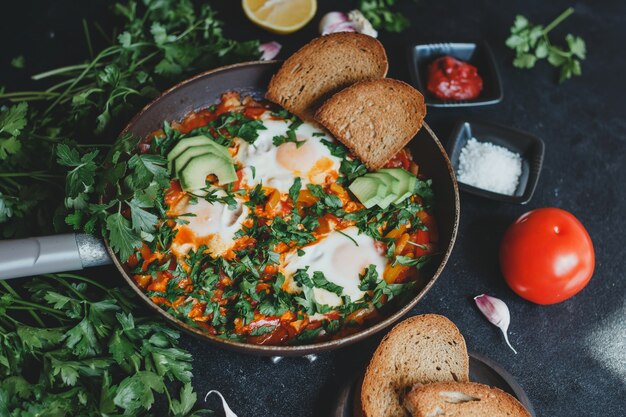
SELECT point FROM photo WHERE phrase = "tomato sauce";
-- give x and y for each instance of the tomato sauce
(453, 79)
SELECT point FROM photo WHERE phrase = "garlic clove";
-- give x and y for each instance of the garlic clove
(361, 23)
(227, 411)
(331, 21)
(269, 50)
(353, 21)
(497, 312)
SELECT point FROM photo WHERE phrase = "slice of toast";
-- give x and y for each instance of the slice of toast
(462, 399)
(324, 66)
(374, 118)
(419, 350)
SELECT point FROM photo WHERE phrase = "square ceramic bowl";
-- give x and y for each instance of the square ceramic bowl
(478, 54)
(529, 147)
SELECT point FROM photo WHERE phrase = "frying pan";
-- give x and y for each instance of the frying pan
(27, 257)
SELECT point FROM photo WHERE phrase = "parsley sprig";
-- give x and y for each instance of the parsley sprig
(381, 15)
(531, 44)
(68, 337)
(158, 43)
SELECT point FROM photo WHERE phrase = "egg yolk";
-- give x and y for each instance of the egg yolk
(297, 159)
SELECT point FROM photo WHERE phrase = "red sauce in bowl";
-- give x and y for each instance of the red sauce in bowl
(452, 79)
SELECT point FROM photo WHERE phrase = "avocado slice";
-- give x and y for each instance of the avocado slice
(407, 183)
(193, 174)
(189, 153)
(393, 189)
(370, 191)
(186, 143)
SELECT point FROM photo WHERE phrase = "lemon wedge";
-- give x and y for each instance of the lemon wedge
(280, 16)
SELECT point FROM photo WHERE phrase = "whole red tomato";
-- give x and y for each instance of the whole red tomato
(547, 256)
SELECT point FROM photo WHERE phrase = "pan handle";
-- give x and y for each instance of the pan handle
(48, 254)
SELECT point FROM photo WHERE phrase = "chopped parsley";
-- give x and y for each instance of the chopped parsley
(228, 294)
(290, 135)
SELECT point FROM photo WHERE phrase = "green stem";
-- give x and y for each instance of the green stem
(34, 174)
(88, 38)
(145, 59)
(94, 145)
(18, 94)
(83, 279)
(12, 182)
(27, 99)
(25, 305)
(58, 71)
(106, 52)
(44, 138)
(102, 33)
(59, 85)
(11, 291)
(68, 286)
(59, 316)
(169, 397)
(567, 13)
(6, 323)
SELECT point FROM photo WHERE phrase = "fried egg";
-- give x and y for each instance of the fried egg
(342, 257)
(278, 166)
(211, 224)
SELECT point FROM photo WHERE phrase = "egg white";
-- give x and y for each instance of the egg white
(278, 166)
(211, 224)
(341, 261)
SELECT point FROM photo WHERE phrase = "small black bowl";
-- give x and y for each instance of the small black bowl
(478, 54)
(529, 147)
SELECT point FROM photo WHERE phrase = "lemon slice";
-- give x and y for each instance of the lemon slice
(280, 16)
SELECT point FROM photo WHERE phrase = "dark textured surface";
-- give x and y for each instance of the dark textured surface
(572, 356)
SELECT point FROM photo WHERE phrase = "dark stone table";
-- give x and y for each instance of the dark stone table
(572, 356)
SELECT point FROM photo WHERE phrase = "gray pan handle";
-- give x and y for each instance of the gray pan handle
(49, 254)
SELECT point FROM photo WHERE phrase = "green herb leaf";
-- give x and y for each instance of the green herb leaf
(379, 13)
(531, 43)
(122, 238)
(12, 121)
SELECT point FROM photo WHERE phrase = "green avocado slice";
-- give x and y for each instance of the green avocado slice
(189, 153)
(193, 174)
(407, 183)
(193, 141)
(393, 189)
(370, 191)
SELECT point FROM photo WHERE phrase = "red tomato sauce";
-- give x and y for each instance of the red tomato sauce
(452, 79)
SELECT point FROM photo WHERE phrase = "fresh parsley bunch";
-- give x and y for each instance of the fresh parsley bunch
(71, 346)
(531, 43)
(381, 15)
(83, 106)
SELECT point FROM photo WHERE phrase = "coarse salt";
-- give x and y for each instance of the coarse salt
(490, 167)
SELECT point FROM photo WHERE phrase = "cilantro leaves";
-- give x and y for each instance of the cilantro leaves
(380, 15)
(531, 43)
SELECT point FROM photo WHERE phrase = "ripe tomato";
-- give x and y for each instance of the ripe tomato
(547, 256)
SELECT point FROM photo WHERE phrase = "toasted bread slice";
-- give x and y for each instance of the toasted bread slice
(324, 66)
(374, 119)
(464, 399)
(419, 350)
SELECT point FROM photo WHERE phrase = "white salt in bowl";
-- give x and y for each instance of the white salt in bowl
(530, 148)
